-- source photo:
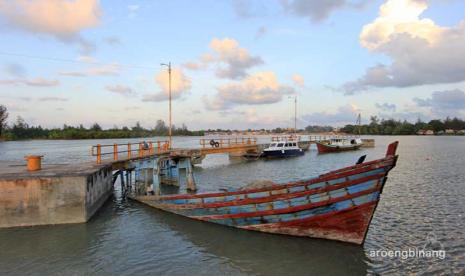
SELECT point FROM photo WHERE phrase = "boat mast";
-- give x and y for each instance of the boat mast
(359, 123)
(295, 115)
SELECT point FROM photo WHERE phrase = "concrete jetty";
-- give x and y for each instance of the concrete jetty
(54, 195)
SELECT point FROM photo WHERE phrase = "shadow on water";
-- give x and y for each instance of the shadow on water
(267, 254)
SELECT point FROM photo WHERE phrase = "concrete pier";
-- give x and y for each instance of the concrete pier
(56, 194)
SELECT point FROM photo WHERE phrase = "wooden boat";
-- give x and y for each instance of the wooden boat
(339, 144)
(337, 205)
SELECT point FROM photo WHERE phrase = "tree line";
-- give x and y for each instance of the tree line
(396, 127)
(20, 130)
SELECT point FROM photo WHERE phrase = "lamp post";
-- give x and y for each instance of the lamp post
(295, 113)
(169, 89)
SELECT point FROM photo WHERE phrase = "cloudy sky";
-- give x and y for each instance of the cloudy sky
(236, 63)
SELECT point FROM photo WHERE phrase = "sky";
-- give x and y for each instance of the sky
(236, 64)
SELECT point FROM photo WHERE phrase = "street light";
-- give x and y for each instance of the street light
(169, 88)
(295, 113)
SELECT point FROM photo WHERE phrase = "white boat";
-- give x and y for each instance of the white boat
(282, 149)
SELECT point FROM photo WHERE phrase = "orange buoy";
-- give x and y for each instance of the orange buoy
(34, 162)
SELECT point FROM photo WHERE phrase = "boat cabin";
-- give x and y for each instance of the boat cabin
(283, 145)
(345, 141)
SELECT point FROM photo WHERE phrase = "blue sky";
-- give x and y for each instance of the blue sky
(236, 64)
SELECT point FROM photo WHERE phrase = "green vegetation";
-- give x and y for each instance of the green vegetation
(393, 127)
(21, 130)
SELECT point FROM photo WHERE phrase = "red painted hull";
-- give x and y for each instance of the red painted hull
(323, 148)
(347, 226)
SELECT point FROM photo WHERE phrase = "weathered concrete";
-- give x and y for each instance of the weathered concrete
(55, 195)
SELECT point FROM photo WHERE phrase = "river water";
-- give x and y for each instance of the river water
(422, 206)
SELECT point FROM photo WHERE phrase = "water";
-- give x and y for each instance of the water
(424, 199)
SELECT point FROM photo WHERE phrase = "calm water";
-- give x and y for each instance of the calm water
(423, 200)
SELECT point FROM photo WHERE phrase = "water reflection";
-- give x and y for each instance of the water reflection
(268, 254)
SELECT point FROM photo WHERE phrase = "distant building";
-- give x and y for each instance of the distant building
(425, 132)
(450, 131)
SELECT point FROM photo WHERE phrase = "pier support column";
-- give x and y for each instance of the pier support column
(190, 176)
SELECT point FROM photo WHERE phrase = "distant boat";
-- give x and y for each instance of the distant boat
(337, 205)
(339, 144)
(282, 149)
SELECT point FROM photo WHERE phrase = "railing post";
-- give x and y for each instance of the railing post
(150, 148)
(140, 150)
(115, 152)
(158, 146)
(129, 150)
(99, 154)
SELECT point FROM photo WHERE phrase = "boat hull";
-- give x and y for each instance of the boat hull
(324, 148)
(283, 153)
(337, 205)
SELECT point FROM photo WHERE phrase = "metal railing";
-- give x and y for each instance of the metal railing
(144, 148)
(228, 142)
(317, 138)
(286, 138)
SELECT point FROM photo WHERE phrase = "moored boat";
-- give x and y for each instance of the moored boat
(339, 144)
(282, 149)
(337, 205)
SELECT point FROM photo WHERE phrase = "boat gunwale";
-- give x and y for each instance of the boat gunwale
(292, 209)
(344, 172)
(277, 197)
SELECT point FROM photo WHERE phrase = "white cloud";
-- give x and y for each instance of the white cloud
(15, 70)
(230, 59)
(444, 103)
(133, 10)
(112, 69)
(112, 40)
(180, 85)
(105, 70)
(86, 59)
(52, 99)
(346, 114)
(261, 32)
(60, 18)
(38, 82)
(298, 80)
(260, 88)
(120, 89)
(386, 107)
(41, 82)
(318, 10)
(422, 52)
(248, 9)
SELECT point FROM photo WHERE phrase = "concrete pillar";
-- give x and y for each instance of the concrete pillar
(190, 176)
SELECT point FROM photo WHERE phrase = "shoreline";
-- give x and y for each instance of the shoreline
(226, 135)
